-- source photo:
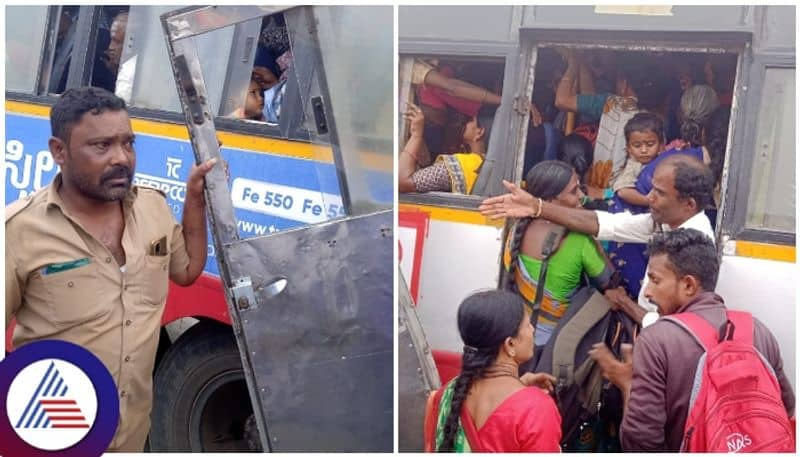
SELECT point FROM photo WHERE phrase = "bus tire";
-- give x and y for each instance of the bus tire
(200, 396)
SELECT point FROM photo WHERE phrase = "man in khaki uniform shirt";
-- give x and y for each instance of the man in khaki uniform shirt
(89, 257)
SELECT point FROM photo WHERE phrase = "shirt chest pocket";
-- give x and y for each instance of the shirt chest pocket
(155, 276)
(73, 297)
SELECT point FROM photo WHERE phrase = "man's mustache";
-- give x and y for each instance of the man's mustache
(116, 173)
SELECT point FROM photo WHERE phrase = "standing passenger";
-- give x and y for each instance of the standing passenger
(487, 408)
(683, 272)
(576, 255)
(682, 188)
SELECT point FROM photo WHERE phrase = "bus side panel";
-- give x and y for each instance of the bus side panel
(741, 283)
(270, 192)
(457, 260)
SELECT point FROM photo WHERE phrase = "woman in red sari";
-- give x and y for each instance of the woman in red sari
(487, 407)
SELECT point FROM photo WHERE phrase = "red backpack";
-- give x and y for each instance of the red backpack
(736, 403)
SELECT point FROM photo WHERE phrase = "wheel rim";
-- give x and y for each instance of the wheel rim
(219, 412)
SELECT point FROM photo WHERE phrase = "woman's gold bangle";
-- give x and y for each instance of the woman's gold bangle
(538, 210)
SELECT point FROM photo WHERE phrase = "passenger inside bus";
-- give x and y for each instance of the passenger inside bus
(576, 151)
(449, 172)
(644, 137)
(636, 88)
(106, 71)
(117, 34)
(680, 71)
(265, 69)
(661, 78)
(696, 104)
(720, 73)
(271, 70)
(273, 95)
(254, 102)
(449, 93)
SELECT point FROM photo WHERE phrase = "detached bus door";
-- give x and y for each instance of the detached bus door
(311, 307)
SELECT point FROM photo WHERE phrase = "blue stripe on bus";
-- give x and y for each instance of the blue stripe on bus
(165, 163)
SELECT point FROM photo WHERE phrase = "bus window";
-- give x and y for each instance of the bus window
(447, 162)
(111, 36)
(62, 56)
(771, 203)
(143, 77)
(25, 33)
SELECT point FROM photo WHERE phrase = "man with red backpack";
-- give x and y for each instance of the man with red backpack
(692, 390)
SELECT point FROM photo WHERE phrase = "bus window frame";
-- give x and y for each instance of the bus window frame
(739, 171)
(459, 50)
(48, 50)
(737, 43)
(80, 74)
(80, 69)
(733, 211)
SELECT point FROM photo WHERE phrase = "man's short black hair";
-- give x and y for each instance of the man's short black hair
(693, 179)
(690, 253)
(76, 102)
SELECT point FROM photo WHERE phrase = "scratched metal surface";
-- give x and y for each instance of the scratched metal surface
(321, 350)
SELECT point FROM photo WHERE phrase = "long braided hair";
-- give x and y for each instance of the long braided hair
(485, 320)
(545, 180)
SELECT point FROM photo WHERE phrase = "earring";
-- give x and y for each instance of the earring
(512, 354)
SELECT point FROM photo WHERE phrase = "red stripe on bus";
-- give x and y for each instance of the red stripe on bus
(70, 425)
(62, 410)
(57, 402)
(66, 418)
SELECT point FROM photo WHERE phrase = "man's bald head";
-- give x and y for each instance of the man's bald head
(693, 179)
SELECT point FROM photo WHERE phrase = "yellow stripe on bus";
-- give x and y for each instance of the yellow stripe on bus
(464, 216)
(28, 108)
(766, 251)
(295, 149)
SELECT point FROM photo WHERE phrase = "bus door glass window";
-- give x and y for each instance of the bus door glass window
(771, 202)
(246, 67)
(284, 181)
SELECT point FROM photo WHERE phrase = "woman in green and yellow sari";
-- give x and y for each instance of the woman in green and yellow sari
(576, 256)
(488, 407)
(450, 172)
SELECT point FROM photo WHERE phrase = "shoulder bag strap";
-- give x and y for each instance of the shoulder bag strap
(550, 245)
